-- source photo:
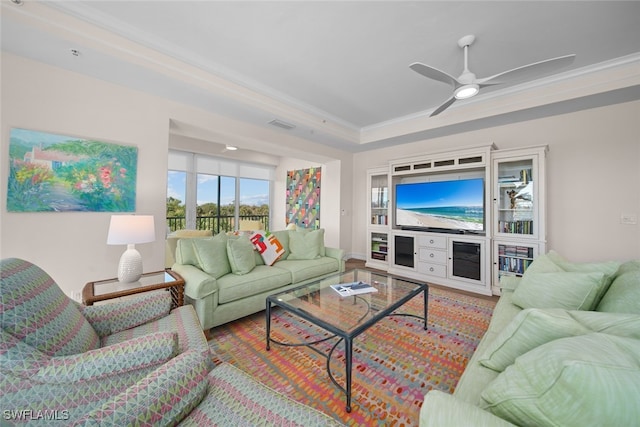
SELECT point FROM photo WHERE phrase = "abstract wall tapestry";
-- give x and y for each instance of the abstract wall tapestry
(303, 198)
(57, 173)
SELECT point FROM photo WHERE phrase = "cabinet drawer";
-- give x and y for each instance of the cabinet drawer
(439, 270)
(431, 255)
(438, 242)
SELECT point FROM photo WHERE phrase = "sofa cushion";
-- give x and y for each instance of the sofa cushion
(306, 269)
(534, 327)
(240, 254)
(283, 238)
(591, 379)
(623, 296)
(262, 278)
(569, 290)
(306, 244)
(35, 310)
(267, 245)
(212, 255)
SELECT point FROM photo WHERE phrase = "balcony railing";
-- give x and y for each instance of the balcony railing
(217, 224)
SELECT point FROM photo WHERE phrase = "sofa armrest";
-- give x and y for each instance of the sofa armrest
(162, 398)
(118, 316)
(137, 353)
(442, 409)
(337, 254)
(197, 283)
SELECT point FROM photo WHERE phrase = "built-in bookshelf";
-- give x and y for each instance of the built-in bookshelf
(516, 194)
(379, 246)
(378, 226)
(519, 210)
(514, 259)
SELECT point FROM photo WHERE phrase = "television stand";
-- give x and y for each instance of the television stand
(455, 260)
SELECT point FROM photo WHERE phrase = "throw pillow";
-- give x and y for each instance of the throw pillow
(591, 379)
(267, 245)
(608, 268)
(623, 296)
(543, 264)
(212, 255)
(569, 290)
(533, 327)
(304, 244)
(283, 238)
(240, 253)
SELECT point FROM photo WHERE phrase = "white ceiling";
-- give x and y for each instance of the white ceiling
(339, 71)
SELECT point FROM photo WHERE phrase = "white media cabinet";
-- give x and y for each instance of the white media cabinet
(514, 229)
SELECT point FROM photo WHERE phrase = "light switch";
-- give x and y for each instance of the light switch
(628, 218)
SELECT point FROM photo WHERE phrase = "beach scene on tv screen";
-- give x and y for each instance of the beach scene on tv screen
(454, 205)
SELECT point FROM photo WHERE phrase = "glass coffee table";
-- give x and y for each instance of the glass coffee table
(345, 317)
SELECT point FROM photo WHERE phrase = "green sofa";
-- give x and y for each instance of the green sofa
(562, 349)
(226, 279)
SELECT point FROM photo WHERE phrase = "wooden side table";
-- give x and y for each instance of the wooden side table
(102, 290)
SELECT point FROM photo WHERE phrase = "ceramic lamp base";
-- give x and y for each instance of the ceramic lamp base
(130, 266)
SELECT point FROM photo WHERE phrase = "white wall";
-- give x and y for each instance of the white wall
(593, 175)
(71, 246)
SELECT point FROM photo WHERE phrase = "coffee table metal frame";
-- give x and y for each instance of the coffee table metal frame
(347, 337)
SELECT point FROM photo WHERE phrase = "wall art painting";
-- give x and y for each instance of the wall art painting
(303, 198)
(57, 173)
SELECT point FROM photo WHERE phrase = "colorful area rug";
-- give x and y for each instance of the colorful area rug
(394, 363)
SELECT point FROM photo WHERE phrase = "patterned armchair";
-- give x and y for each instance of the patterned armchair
(130, 362)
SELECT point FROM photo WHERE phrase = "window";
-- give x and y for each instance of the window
(176, 196)
(219, 194)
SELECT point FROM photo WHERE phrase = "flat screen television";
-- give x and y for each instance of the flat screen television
(448, 206)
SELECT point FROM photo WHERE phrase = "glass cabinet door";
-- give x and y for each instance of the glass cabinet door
(516, 198)
(379, 200)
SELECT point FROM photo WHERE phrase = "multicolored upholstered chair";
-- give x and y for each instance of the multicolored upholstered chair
(132, 362)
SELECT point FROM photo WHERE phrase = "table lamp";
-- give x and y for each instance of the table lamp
(129, 230)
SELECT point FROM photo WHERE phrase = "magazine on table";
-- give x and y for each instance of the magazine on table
(353, 288)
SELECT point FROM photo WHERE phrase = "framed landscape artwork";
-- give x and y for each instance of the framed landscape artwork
(57, 173)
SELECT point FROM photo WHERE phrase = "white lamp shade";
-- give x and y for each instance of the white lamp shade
(127, 229)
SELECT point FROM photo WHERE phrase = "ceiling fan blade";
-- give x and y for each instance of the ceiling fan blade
(434, 73)
(528, 71)
(443, 107)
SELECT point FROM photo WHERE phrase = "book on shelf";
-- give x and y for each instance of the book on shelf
(516, 227)
(353, 288)
(515, 251)
(514, 265)
(379, 219)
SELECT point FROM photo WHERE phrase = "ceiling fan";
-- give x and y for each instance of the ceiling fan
(467, 85)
